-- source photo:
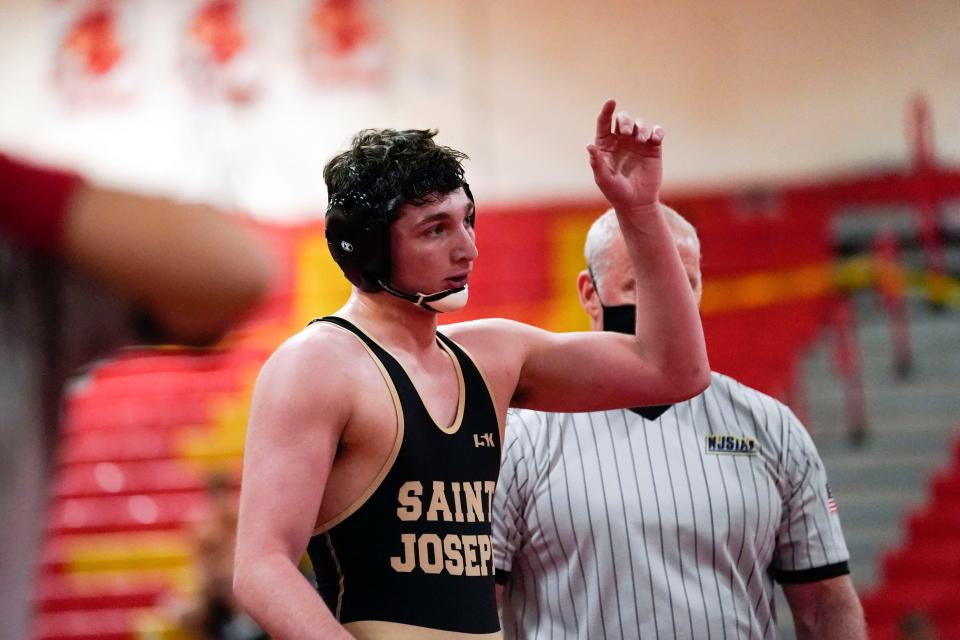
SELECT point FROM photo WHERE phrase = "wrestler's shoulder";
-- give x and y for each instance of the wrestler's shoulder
(313, 353)
(496, 344)
(484, 329)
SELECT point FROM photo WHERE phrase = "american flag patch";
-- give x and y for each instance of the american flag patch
(831, 501)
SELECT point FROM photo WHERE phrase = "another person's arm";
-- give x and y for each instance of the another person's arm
(510, 498)
(292, 438)
(195, 270)
(826, 610)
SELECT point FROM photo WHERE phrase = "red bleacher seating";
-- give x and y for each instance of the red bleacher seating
(117, 445)
(109, 514)
(127, 478)
(90, 624)
(924, 573)
(58, 593)
(927, 562)
(166, 383)
(946, 486)
(94, 412)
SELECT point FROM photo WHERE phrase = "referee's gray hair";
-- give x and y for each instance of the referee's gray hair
(606, 229)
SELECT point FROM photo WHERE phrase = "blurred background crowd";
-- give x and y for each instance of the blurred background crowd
(815, 146)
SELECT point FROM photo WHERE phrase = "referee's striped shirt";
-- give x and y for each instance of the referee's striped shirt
(612, 525)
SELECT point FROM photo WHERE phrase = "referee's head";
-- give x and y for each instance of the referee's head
(607, 284)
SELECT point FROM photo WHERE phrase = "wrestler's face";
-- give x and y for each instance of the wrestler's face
(433, 245)
(617, 285)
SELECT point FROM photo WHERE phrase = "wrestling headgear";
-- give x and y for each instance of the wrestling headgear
(358, 236)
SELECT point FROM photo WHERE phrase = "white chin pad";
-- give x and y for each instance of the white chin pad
(452, 302)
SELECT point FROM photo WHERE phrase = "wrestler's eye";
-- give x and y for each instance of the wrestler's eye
(435, 230)
(470, 220)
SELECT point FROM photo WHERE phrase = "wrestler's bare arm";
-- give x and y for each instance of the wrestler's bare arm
(296, 420)
(627, 164)
(537, 369)
(666, 360)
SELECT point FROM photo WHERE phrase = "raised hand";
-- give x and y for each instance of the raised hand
(626, 160)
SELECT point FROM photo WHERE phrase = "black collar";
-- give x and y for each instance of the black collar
(651, 413)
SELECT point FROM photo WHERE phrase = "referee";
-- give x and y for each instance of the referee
(671, 521)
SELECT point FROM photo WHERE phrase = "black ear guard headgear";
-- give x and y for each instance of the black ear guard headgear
(358, 236)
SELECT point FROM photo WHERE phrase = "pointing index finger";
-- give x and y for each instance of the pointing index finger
(605, 119)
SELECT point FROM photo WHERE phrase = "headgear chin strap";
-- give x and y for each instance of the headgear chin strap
(441, 302)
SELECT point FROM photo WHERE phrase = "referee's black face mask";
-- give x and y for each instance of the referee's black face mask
(621, 318)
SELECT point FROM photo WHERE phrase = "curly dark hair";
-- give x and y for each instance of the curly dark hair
(387, 167)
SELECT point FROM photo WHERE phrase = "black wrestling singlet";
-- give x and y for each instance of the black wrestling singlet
(418, 550)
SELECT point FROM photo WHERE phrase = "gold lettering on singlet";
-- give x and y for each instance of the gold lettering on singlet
(456, 555)
(490, 487)
(484, 549)
(458, 509)
(470, 555)
(452, 548)
(408, 561)
(453, 554)
(438, 503)
(409, 499)
(431, 554)
(473, 492)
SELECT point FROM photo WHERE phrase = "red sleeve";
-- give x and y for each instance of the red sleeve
(34, 203)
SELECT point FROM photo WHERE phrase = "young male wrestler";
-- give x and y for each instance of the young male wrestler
(374, 438)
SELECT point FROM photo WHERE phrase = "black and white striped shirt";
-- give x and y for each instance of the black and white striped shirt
(611, 525)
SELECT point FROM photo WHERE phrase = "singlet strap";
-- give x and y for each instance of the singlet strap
(388, 369)
(456, 350)
(394, 370)
(352, 328)
(470, 366)
(403, 383)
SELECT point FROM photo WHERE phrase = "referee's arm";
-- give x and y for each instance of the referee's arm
(826, 610)
(510, 497)
(811, 562)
